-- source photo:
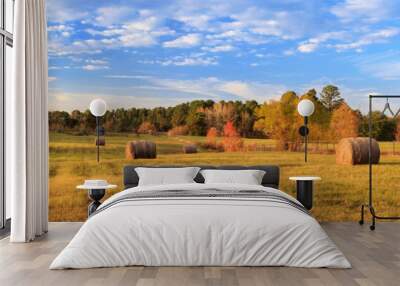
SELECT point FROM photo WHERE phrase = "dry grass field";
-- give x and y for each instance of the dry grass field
(337, 197)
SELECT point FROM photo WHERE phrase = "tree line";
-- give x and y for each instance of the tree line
(198, 116)
(333, 119)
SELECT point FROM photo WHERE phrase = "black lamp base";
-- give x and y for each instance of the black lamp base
(305, 193)
(95, 195)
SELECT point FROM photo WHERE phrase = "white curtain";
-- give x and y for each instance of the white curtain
(27, 124)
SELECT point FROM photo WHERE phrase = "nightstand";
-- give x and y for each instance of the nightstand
(96, 190)
(304, 189)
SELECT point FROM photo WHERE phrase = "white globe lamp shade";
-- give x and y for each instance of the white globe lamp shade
(98, 107)
(305, 107)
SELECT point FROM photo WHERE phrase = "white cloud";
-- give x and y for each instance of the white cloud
(196, 59)
(307, 47)
(371, 38)
(191, 62)
(107, 16)
(200, 22)
(62, 30)
(288, 52)
(58, 47)
(147, 92)
(199, 15)
(137, 39)
(235, 36)
(69, 101)
(267, 27)
(96, 62)
(218, 89)
(201, 88)
(217, 49)
(313, 43)
(363, 10)
(385, 66)
(266, 23)
(344, 40)
(386, 70)
(55, 67)
(123, 76)
(110, 32)
(186, 41)
(252, 90)
(143, 31)
(91, 67)
(59, 11)
(176, 91)
(261, 55)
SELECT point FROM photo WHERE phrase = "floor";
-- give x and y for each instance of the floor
(4, 232)
(375, 257)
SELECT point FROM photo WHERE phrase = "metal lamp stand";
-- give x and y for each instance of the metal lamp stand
(370, 201)
(303, 131)
(100, 133)
(98, 138)
(305, 138)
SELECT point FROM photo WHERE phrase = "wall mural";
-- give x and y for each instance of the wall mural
(219, 82)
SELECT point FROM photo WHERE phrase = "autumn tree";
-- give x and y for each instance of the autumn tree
(383, 127)
(178, 131)
(147, 128)
(280, 120)
(290, 120)
(330, 97)
(344, 122)
(196, 123)
(212, 134)
(267, 115)
(242, 114)
(246, 117)
(319, 120)
(397, 132)
(179, 114)
(59, 120)
(211, 141)
(221, 113)
(232, 141)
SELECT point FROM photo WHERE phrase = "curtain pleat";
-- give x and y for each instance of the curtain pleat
(29, 154)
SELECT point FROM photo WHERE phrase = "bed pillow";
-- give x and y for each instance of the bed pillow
(248, 177)
(166, 176)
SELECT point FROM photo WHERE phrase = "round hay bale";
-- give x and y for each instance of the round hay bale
(101, 142)
(354, 151)
(189, 149)
(140, 150)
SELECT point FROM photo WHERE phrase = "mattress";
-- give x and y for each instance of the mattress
(201, 225)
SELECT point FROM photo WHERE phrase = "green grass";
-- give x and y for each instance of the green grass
(336, 198)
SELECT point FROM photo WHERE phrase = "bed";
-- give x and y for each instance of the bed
(198, 224)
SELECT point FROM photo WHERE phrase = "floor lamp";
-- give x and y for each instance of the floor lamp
(98, 108)
(305, 109)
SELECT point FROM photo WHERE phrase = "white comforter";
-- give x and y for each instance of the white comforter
(200, 231)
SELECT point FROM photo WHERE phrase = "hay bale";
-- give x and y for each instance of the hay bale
(354, 151)
(100, 142)
(140, 150)
(189, 149)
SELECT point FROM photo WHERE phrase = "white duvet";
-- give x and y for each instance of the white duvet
(200, 231)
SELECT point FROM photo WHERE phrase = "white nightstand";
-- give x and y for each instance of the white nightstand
(96, 190)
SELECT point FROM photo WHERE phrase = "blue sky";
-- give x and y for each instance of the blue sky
(160, 53)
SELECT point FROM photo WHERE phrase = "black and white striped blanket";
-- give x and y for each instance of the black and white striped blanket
(206, 194)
